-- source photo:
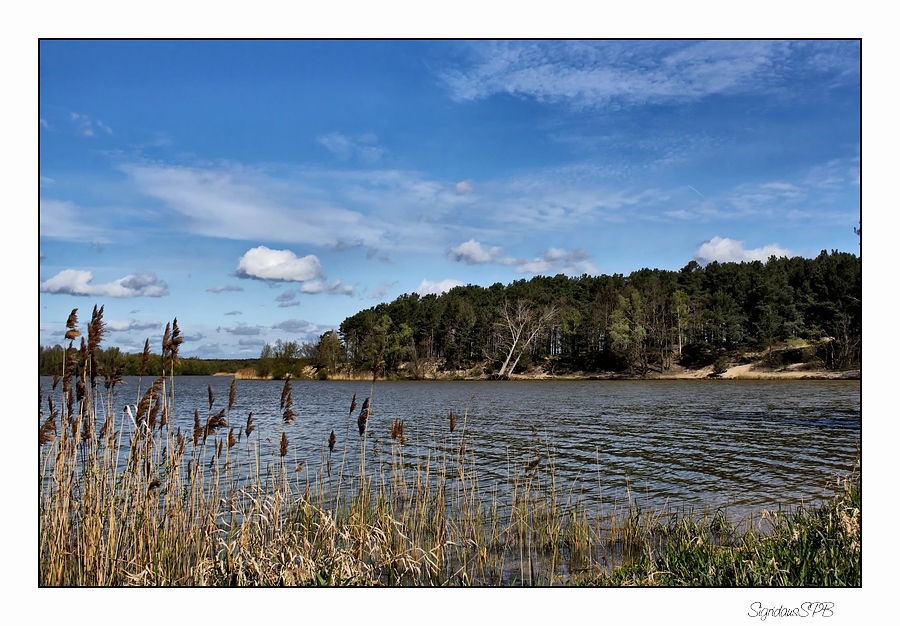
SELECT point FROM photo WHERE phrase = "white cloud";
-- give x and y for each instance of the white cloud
(262, 263)
(225, 288)
(78, 283)
(61, 219)
(725, 250)
(590, 74)
(131, 324)
(296, 326)
(426, 287)
(472, 252)
(318, 286)
(552, 261)
(234, 202)
(556, 261)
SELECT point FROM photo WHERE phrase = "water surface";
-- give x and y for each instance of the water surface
(698, 445)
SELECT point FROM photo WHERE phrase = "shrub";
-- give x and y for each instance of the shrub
(720, 366)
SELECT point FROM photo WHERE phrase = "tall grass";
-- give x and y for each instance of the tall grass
(129, 499)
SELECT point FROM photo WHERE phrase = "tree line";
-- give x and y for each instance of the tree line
(639, 323)
(50, 362)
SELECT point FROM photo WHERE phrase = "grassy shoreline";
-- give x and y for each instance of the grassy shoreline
(128, 499)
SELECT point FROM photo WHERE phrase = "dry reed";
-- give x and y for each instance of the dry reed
(138, 503)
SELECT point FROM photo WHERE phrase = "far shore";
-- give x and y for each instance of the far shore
(748, 371)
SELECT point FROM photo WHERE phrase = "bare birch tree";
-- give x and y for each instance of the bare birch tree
(520, 326)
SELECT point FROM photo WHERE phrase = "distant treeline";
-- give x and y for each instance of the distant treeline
(50, 362)
(639, 323)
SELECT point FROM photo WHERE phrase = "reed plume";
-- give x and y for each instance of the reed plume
(172, 339)
(213, 422)
(287, 402)
(331, 441)
(198, 427)
(363, 417)
(284, 444)
(145, 358)
(71, 325)
(96, 330)
(47, 432)
(250, 425)
(231, 395)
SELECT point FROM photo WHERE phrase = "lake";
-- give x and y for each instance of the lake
(694, 445)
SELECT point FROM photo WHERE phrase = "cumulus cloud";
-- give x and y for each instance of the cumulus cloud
(131, 324)
(426, 286)
(472, 252)
(78, 283)
(225, 288)
(262, 263)
(725, 250)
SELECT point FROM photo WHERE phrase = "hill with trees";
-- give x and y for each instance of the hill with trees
(635, 325)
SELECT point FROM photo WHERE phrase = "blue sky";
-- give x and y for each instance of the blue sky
(263, 190)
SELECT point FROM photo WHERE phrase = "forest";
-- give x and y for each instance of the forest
(645, 322)
(636, 324)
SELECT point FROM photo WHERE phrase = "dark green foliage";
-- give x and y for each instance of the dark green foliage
(699, 354)
(720, 366)
(644, 322)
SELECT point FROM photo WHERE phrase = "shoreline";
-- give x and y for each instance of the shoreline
(738, 372)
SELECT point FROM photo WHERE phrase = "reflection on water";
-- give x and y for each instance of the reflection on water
(699, 445)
